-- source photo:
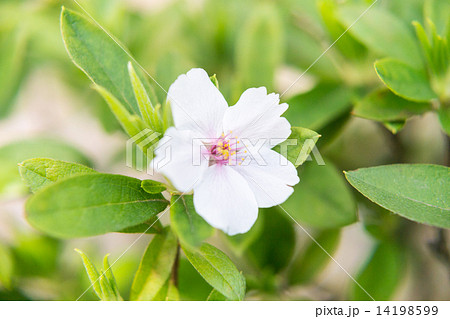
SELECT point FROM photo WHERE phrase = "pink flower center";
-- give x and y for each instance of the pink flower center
(224, 150)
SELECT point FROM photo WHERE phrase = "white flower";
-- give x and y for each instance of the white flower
(229, 181)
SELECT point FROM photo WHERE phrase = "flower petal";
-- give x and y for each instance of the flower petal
(197, 105)
(174, 158)
(271, 180)
(257, 115)
(225, 201)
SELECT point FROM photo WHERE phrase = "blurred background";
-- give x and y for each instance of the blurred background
(47, 109)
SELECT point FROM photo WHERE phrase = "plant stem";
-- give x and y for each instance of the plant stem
(176, 265)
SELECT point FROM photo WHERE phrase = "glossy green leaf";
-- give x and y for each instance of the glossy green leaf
(16, 152)
(384, 106)
(218, 270)
(6, 266)
(322, 199)
(387, 259)
(313, 260)
(38, 173)
(318, 107)
(99, 56)
(299, 144)
(259, 48)
(382, 32)
(405, 81)
(153, 187)
(418, 192)
(190, 228)
(270, 251)
(94, 204)
(155, 267)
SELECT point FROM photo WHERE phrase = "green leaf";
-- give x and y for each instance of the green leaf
(259, 48)
(103, 282)
(190, 228)
(322, 199)
(146, 108)
(6, 266)
(346, 44)
(384, 106)
(110, 277)
(36, 255)
(155, 267)
(319, 107)
(16, 152)
(437, 11)
(191, 285)
(444, 118)
(153, 187)
(395, 126)
(405, 81)
(313, 260)
(152, 226)
(387, 259)
(382, 32)
(99, 56)
(298, 145)
(216, 296)
(218, 270)
(130, 124)
(38, 173)
(270, 251)
(418, 192)
(94, 204)
(13, 47)
(93, 274)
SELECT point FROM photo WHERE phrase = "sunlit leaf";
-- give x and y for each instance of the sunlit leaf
(155, 267)
(38, 173)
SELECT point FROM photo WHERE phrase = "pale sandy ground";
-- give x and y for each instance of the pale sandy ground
(46, 108)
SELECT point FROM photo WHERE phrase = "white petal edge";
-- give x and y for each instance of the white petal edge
(271, 181)
(197, 105)
(225, 200)
(257, 115)
(174, 158)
